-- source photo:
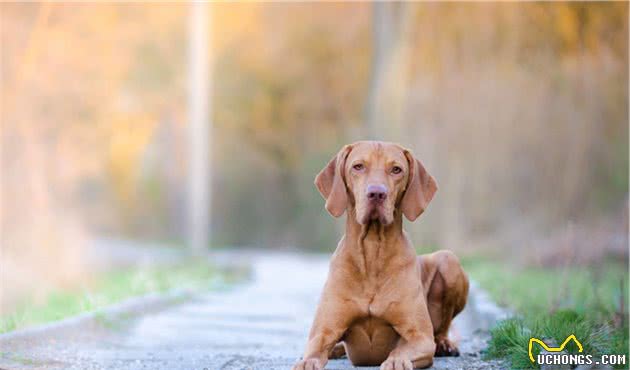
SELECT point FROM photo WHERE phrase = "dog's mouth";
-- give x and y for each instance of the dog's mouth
(375, 214)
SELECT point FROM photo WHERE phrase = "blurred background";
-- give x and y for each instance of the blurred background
(111, 113)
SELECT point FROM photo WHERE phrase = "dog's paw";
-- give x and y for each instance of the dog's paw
(397, 364)
(308, 364)
(445, 348)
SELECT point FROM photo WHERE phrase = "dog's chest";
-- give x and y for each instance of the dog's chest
(377, 296)
(376, 280)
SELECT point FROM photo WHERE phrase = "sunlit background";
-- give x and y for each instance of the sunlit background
(519, 110)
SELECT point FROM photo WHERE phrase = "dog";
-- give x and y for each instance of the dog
(382, 304)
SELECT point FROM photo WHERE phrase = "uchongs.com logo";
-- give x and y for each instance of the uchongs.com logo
(555, 356)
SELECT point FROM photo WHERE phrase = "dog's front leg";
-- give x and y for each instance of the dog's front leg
(416, 346)
(331, 321)
(413, 353)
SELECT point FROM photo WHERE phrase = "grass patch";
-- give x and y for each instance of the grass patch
(554, 303)
(510, 337)
(541, 290)
(113, 287)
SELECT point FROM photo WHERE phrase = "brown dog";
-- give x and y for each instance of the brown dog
(382, 304)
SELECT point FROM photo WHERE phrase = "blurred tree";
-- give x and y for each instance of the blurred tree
(199, 128)
(518, 109)
(391, 22)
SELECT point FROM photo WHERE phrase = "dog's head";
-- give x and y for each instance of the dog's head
(376, 179)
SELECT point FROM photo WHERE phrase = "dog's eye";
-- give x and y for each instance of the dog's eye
(358, 167)
(396, 170)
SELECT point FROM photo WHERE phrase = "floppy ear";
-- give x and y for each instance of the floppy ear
(420, 189)
(331, 184)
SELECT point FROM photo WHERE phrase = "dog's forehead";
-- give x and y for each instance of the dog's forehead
(377, 151)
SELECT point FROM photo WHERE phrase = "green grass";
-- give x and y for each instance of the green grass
(112, 287)
(510, 337)
(555, 303)
(540, 290)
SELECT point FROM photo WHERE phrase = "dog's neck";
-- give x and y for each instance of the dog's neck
(373, 244)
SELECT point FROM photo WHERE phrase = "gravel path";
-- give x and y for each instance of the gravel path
(259, 325)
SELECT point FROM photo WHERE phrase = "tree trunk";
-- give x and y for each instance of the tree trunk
(387, 91)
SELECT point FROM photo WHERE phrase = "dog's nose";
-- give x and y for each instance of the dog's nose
(376, 193)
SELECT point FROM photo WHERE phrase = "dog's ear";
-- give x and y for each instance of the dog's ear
(421, 188)
(331, 184)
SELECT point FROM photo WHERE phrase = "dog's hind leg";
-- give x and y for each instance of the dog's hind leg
(446, 287)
